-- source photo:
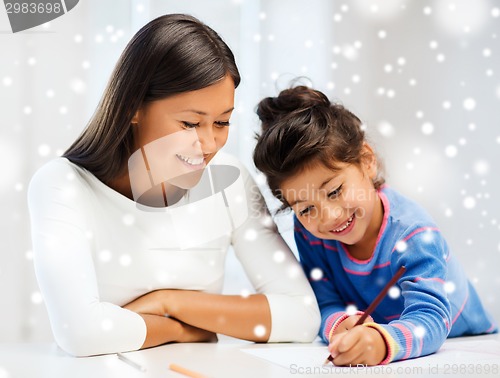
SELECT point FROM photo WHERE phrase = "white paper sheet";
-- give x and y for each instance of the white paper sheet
(453, 352)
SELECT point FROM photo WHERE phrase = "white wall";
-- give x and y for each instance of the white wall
(51, 79)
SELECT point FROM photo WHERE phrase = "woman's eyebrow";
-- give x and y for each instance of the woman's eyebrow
(205, 113)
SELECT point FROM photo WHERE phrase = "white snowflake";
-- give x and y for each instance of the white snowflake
(279, 256)
(7, 81)
(386, 129)
(469, 202)
(351, 309)
(316, 274)
(481, 167)
(128, 219)
(36, 297)
(125, 260)
(469, 104)
(419, 332)
(427, 128)
(259, 330)
(394, 292)
(104, 255)
(449, 287)
(251, 234)
(401, 246)
(44, 150)
(451, 151)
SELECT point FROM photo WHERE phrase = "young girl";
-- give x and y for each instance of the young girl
(135, 220)
(353, 233)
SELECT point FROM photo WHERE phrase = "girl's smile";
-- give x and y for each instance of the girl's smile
(345, 227)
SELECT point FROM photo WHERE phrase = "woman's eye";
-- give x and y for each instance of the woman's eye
(335, 193)
(190, 125)
(222, 123)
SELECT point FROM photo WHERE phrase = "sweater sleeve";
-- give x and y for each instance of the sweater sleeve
(332, 306)
(82, 325)
(426, 320)
(274, 271)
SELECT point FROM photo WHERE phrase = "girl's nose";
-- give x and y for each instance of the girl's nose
(330, 214)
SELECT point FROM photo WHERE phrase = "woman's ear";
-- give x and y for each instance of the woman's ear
(369, 160)
(136, 117)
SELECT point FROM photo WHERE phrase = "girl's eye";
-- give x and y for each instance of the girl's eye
(335, 193)
(222, 123)
(306, 211)
(189, 125)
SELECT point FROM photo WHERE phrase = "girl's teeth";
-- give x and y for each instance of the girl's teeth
(348, 223)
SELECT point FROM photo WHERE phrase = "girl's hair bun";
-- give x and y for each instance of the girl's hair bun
(292, 100)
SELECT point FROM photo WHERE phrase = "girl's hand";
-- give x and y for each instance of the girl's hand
(359, 345)
(349, 323)
(150, 303)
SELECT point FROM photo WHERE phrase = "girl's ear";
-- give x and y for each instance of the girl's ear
(369, 161)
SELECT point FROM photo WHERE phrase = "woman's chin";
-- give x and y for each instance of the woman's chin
(187, 180)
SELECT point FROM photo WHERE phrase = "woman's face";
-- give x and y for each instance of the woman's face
(178, 136)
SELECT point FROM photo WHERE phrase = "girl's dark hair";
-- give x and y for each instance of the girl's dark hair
(172, 54)
(301, 127)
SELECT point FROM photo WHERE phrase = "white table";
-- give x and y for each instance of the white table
(223, 359)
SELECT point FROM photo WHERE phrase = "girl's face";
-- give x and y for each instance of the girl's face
(179, 135)
(340, 205)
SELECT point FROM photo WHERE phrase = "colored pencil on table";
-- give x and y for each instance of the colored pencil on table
(186, 372)
(375, 302)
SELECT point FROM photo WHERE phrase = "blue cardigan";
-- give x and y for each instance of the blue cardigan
(433, 300)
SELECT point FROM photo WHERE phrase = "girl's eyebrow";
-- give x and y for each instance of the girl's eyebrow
(321, 187)
(296, 202)
(326, 182)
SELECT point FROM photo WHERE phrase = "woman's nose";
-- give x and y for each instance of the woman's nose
(206, 140)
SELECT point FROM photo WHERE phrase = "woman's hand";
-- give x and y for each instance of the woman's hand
(192, 334)
(358, 345)
(152, 303)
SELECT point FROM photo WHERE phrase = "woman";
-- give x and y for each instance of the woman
(131, 226)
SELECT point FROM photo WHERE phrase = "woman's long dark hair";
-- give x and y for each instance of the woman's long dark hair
(172, 54)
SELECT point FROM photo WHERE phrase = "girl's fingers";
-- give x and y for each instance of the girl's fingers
(353, 356)
(333, 346)
(358, 346)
